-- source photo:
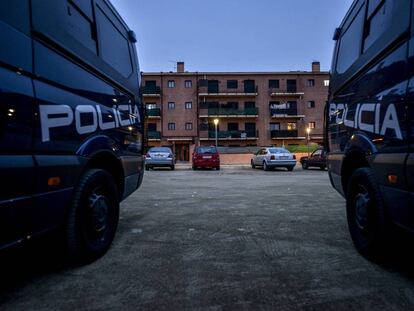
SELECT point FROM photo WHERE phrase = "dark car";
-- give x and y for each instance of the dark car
(70, 122)
(316, 159)
(206, 157)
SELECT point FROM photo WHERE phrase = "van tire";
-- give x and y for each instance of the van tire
(366, 216)
(92, 217)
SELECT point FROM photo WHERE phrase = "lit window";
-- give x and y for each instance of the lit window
(326, 82)
(171, 83)
(312, 125)
(291, 126)
(151, 106)
(311, 104)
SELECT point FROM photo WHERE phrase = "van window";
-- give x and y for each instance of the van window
(378, 21)
(350, 44)
(16, 14)
(79, 26)
(113, 46)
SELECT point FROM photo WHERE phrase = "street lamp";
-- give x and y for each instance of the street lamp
(216, 121)
(308, 130)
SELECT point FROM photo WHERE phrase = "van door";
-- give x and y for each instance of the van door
(16, 122)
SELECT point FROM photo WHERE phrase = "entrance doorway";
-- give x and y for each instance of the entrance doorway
(182, 152)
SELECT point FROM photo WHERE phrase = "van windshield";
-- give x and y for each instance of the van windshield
(203, 150)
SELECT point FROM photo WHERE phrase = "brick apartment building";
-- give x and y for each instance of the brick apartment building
(253, 108)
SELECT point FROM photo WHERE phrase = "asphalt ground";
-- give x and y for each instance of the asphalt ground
(235, 239)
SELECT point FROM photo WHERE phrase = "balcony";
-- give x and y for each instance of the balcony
(154, 136)
(285, 134)
(230, 135)
(151, 91)
(289, 92)
(239, 92)
(229, 113)
(288, 113)
(154, 113)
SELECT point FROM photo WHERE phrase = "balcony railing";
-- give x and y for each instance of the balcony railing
(284, 111)
(151, 90)
(290, 91)
(284, 133)
(234, 134)
(246, 91)
(154, 135)
(154, 112)
(233, 112)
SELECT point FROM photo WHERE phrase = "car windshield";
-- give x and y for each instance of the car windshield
(203, 150)
(278, 150)
(160, 149)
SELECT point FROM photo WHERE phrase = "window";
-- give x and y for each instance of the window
(113, 41)
(275, 126)
(311, 82)
(151, 106)
(378, 21)
(326, 82)
(273, 84)
(189, 126)
(189, 105)
(350, 44)
(249, 105)
(152, 127)
(171, 105)
(311, 104)
(291, 86)
(171, 83)
(232, 126)
(291, 126)
(232, 84)
(188, 84)
(171, 126)
(311, 125)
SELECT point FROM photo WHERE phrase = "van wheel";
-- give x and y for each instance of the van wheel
(92, 217)
(252, 164)
(366, 215)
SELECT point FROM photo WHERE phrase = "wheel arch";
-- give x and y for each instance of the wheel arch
(354, 160)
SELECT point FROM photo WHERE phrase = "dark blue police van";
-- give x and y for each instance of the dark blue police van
(370, 120)
(71, 130)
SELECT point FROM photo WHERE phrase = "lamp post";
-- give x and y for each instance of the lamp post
(216, 121)
(308, 138)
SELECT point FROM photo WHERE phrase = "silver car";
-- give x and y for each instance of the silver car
(159, 157)
(272, 157)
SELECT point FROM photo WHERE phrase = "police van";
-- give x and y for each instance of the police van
(71, 128)
(370, 120)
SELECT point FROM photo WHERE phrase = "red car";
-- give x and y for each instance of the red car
(206, 157)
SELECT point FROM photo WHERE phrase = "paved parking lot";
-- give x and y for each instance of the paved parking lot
(237, 239)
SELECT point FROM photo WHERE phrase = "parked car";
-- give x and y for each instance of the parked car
(206, 157)
(159, 157)
(316, 159)
(271, 157)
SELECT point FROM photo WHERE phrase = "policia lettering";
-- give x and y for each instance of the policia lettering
(53, 116)
(389, 122)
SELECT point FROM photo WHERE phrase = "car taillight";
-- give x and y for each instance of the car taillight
(272, 157)
(294, 157)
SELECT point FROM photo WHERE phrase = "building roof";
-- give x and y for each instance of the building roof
(267, 73)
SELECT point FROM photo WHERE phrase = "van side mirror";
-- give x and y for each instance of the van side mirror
(337, 34)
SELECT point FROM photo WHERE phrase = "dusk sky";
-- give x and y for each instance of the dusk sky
(233, 35)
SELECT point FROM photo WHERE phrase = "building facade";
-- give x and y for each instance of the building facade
(252, 108)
